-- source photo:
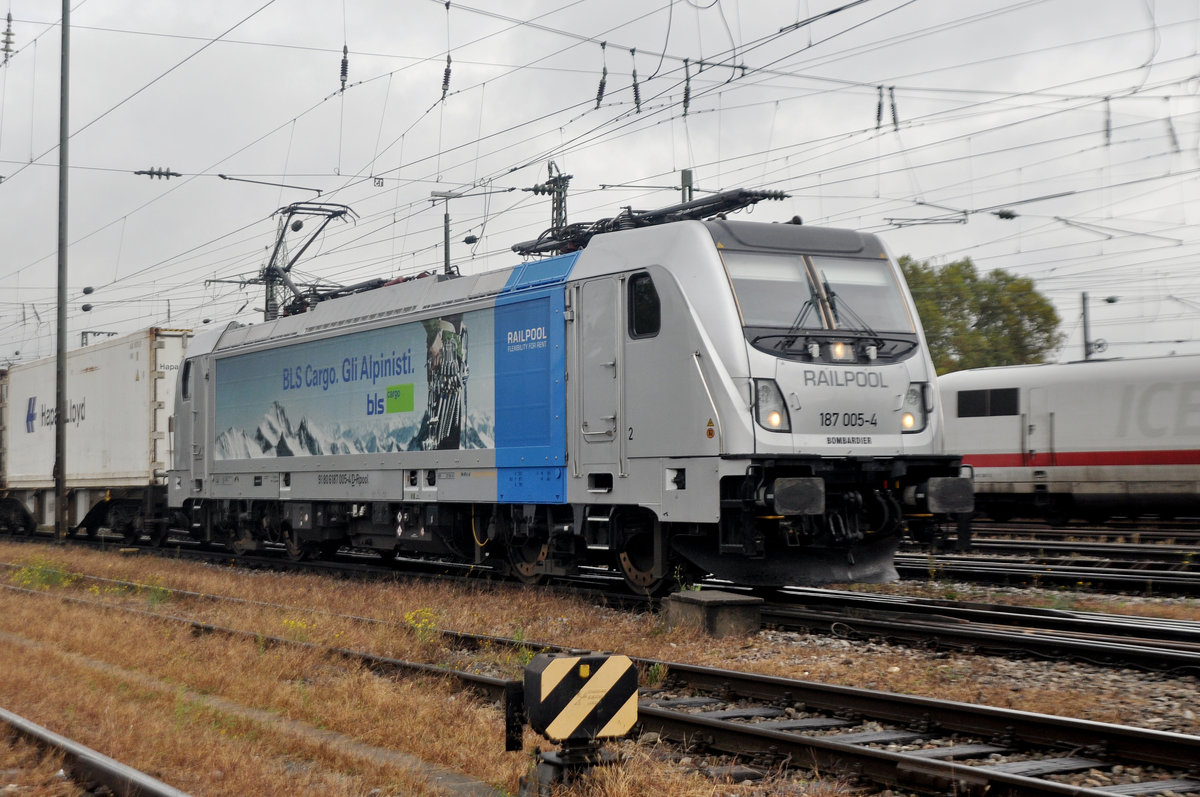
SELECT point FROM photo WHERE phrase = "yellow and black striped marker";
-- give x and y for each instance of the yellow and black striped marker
(569, 697)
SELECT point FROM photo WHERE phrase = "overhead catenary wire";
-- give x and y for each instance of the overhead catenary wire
(611, 131)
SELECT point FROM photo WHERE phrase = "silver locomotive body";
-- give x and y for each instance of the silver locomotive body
(754, 401)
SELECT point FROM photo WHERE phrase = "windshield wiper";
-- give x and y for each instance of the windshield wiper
(787, 339)
(854, 317)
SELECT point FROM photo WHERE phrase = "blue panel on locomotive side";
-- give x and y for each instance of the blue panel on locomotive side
(531, 392)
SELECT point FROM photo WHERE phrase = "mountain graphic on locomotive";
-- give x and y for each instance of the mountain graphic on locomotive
(665, 395)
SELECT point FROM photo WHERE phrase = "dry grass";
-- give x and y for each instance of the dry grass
(149, 692)
(25, 769)
(148, 711)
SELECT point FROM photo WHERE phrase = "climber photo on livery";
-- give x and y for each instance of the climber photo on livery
(418, 386)
(446, 376)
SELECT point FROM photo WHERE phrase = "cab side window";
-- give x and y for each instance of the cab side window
(645, 311)
(187, 379)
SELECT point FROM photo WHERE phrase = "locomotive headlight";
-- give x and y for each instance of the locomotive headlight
(913, 415)
(769, 408)
(840, 351)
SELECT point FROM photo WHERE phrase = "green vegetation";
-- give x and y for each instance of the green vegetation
(974, 321)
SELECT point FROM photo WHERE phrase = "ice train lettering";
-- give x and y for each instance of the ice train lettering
(750, 400)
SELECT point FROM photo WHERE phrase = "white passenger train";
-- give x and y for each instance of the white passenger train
(1089, 439)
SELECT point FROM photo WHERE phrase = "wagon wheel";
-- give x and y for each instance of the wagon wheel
(633, 547)
(13, 518)
(131, 530)
(525, 556)
(160, 532)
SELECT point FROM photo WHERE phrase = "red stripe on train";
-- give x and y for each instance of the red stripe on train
(1083, 458)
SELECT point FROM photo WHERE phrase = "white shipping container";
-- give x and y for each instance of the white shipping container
(120, 395)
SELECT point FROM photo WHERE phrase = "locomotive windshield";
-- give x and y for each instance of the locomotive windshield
(798, 292)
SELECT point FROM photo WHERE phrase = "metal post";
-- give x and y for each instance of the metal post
(446, 235)
(61, 408)
(1087, 335)
(446, 196)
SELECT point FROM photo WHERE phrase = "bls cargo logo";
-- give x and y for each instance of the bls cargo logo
(31, 414)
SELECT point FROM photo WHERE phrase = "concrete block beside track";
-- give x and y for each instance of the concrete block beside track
(715, 612)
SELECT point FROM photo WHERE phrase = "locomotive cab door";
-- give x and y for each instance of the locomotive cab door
(598, 384)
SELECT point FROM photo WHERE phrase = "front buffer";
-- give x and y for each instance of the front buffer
(808, 521)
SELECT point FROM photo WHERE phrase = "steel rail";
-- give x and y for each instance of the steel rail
(824, 753)
(995, 571)
(85, 764)
(1113, 650)
(1157, 628)
(1044, 730)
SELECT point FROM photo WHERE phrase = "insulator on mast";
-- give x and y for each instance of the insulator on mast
(446, 76)
(637, 91)
(1171, 127)
(600, 90)
(7, 49)
(895, 113)
(687, 87)
(603, 74)
(345, 65)
(1107, 121)
(879, 110)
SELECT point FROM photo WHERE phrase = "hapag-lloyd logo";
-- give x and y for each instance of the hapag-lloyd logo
(48, 416)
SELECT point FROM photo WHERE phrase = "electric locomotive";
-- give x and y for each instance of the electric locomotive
(665, 395)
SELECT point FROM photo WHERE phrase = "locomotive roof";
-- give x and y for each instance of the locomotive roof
(811, 240)
(610, 253)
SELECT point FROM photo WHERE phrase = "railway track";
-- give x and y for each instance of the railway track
(768, 723)
(1161, 554)
(1060, 573)
(87, 767)
(1175, 532)
(1108, 640)
(1097, 554)
(916, 743)
(1105, 639)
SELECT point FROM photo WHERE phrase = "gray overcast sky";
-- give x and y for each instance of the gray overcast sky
(1082, 116)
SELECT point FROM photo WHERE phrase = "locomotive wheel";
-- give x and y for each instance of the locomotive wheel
(635, 556)
(525, 558)
(239, 543)
(296, 550)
